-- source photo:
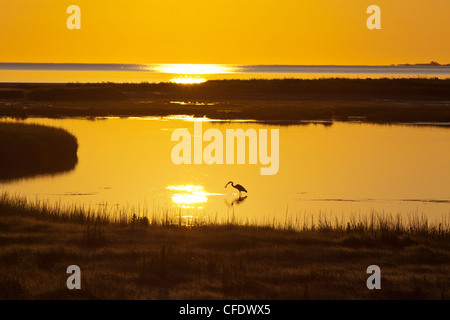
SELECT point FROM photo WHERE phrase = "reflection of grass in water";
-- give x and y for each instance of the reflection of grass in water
(138, 258)
(28, 149)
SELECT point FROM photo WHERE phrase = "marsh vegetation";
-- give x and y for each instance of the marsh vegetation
(153, 254)
(153, 257)
(373, 100)
(28, 150)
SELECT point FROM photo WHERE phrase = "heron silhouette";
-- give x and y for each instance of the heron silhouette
(238, 186)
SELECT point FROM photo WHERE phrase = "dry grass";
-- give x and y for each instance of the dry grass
(137, 259)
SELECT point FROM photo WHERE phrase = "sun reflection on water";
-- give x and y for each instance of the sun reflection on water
(189, 196)
(192, 73)
(188, 80)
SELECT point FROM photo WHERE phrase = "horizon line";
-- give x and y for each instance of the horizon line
(431, 63)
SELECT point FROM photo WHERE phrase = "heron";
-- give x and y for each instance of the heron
(238, 186)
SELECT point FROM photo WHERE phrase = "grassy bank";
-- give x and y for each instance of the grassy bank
(137, 258)
(277, 89)
(374, 100)
(27, 150)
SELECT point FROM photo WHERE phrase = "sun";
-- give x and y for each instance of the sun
(192, 73)
(188, 80)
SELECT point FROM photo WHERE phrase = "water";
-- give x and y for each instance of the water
(85, 72)
(342, 170)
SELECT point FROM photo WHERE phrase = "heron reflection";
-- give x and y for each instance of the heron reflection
(236, 201)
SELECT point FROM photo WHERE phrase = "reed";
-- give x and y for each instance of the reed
(135, 256)
(374, 224)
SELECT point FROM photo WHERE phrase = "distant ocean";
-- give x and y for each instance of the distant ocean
(90, 72)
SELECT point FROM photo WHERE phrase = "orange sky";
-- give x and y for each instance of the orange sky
(231, 31)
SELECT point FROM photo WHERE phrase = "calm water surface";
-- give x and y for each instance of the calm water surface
(91, 72)
(342, 170)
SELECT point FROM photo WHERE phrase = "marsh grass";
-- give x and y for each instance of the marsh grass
(283, 100)
(75, 94)
(386, 227)
(154, 256)
(379, 225)
(31, 149)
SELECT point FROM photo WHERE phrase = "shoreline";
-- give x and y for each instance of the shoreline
(28, 150)
(326, 100)
(266, 122)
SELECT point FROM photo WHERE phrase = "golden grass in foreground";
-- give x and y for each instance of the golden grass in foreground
(134, 259)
